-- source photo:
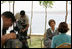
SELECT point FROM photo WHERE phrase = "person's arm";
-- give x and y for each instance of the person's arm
(27, 22)
(46, 38)
(5, 37)
(1, 26)
(26, 27)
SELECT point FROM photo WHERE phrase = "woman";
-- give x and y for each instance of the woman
(61, 38)
(52, 31)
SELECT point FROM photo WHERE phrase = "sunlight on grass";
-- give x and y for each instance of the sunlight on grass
(35, 42)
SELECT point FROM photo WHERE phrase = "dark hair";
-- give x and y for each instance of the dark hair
(12, 31)
(22, 12)
(9, 14)
(51, 20)
(63, 27)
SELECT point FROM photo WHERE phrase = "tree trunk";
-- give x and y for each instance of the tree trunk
(45, 23)
(31, 21)
(13, 11)
(66, 11)
(9, 6)
(13, 6)
(45, 18)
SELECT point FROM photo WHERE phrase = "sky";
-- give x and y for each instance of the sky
(26, 5)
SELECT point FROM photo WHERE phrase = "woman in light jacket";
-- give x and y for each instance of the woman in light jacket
(52, 31)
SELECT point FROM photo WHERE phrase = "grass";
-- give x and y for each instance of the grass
(35, 42)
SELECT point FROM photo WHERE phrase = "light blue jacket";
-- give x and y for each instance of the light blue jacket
(59, 39)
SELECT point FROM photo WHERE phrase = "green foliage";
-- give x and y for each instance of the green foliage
(3, 2)
(46, 3)
(6, 1)
(35, 42)
(69, 2)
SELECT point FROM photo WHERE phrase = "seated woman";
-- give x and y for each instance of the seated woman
(50, 33)
(62, 37)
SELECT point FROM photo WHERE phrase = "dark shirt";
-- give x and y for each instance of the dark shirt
(49, 36)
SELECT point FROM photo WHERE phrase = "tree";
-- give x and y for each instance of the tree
(31, 21)
(66, 11)
(46, 4)
(3, 2)
(70, 2)
(13, 11)
(9, 3)
(13, 6)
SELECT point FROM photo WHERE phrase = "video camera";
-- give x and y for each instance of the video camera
(20, 37)
(23, 38)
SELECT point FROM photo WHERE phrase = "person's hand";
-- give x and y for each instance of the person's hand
(5, 37)
(23, 30)
(12, 36)
(23, 24)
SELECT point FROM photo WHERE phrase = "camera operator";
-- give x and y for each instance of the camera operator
(22, 27)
